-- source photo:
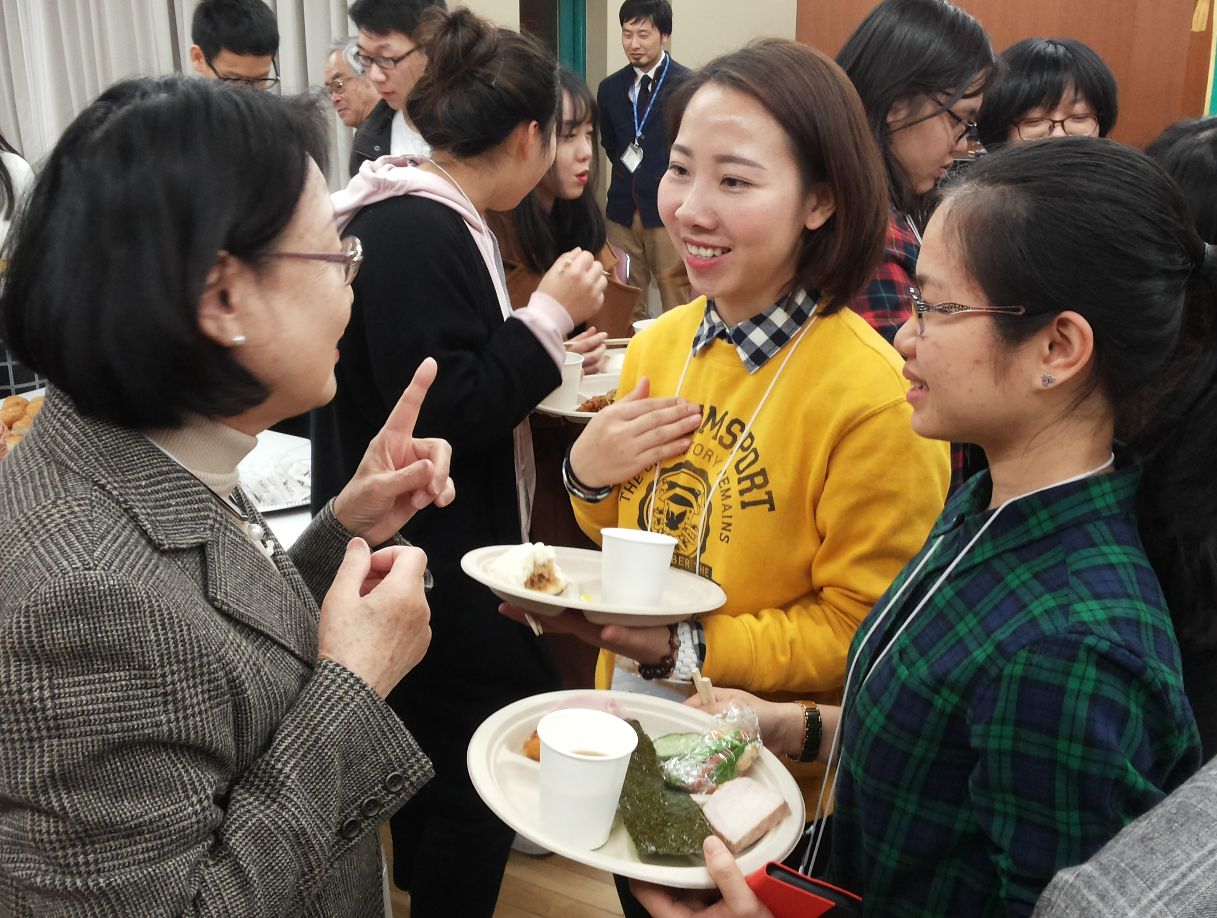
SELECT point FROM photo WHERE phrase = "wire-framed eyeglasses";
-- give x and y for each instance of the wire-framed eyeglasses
(261, 84)
(351, 257)
(384, 63)
(921, 307)
(967, 127)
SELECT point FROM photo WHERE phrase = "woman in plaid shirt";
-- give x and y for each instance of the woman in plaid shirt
(1015, 698)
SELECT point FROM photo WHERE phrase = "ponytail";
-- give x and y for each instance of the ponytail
(481, 82)
(1177, 502)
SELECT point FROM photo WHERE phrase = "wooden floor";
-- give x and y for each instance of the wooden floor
(540, 887)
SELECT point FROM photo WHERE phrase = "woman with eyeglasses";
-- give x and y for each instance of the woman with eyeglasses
(921, 68)
(194, 719)
(1016, 698)
(1048, 87)
(432, 283)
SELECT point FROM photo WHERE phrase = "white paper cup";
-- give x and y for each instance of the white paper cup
(584, 757)
(634, 566)
(641, 324)
(566, 396)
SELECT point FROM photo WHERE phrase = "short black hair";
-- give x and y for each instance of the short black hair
(236, 26)
(1037, 72)
(908, 48)
(380, 17)
(175, 170)
(1187, 150)
(658, 11)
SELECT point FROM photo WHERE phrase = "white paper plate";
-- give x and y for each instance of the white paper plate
(596, 384)
(684, 594)
(277, 474)
(509, 783)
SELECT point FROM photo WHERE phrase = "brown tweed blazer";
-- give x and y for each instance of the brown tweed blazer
(167, 743)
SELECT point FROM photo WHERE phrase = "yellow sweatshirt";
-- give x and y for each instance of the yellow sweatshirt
(826, 498)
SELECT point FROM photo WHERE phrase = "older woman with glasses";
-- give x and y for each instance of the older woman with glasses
(1049, 87)
(194, 719)
(1016, 697)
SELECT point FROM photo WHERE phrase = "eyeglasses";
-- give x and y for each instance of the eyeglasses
(384, 63)
(260, 84)
(1074, 126)
(921, 307)
(967, 127)
(339, 85)
(351, 257)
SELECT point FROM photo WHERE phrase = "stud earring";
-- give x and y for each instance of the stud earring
(1047, 379)
(238, 340)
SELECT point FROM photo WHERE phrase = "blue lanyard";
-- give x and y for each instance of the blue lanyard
(651, 104)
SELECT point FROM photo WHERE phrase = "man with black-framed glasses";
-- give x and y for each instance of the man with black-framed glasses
(393, 61)
(235, 41)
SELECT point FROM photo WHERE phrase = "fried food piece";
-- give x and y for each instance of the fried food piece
(532, 747)
(13, 409)
(596, 402)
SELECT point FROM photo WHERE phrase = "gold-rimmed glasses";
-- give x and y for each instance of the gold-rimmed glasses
(921, 307)
(351, 257)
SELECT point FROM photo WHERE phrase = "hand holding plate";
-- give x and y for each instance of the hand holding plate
(648, 643)
(738, 900)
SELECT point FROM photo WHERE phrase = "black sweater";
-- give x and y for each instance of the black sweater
(424, 290)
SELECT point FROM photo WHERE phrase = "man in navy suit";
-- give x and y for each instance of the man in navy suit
(634, 135)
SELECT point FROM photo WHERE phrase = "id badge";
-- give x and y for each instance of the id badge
(632, 157)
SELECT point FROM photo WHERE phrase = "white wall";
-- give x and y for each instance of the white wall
(502, 12)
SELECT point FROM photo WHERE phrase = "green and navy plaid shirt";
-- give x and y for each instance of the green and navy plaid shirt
(1030, 710)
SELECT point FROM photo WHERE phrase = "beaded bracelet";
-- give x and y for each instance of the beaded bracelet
(666, 664)
(813, 731)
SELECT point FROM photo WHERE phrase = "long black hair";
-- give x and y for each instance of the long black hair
(1091, 225)
(8, 194)
(1187, 150)
(1037, 72)
(909, 48)
(571, 223)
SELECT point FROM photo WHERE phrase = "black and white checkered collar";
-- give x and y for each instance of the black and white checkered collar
(761, 337)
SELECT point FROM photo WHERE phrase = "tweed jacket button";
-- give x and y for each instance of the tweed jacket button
(394, 781)
(350, 828)
(370, 806)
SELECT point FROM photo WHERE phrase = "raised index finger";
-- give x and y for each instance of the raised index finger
(405, 413)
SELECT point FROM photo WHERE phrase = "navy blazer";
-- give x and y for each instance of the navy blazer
(639, 191)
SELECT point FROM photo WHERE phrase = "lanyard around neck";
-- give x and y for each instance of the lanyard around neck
(638, 126)
(705, 511)
(826, 793)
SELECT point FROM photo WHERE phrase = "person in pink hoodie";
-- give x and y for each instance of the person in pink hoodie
(432, 284)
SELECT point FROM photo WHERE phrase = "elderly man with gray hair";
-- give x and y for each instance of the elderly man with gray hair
(351, 94)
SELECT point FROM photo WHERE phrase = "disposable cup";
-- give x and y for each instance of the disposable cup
(584, 757)
(566, 396)
(634, 566)
(641, 324)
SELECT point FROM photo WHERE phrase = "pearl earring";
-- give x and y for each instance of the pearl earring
(238, 340)
(1047, 379)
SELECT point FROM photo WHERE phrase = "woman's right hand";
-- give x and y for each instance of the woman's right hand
(631, 435)
(781, 722)
(375, 620)
(738, 900)
(577, 282)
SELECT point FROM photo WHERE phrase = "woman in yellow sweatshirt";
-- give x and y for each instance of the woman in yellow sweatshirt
(766, 427)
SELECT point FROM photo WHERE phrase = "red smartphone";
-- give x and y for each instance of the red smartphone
(790, 894)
